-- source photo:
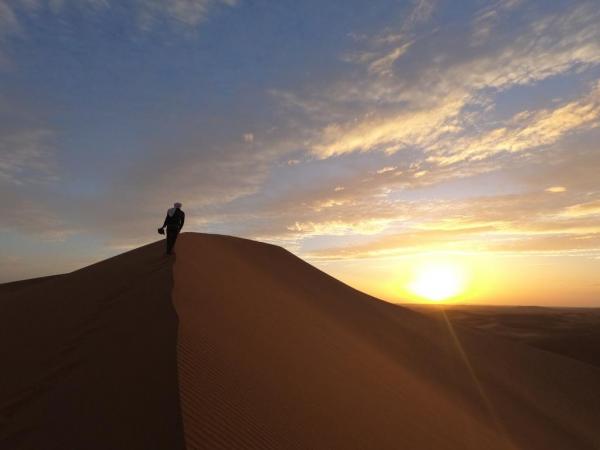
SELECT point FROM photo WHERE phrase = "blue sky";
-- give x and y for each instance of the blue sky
(350, 132)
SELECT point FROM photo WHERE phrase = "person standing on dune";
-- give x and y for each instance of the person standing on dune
(174, 223)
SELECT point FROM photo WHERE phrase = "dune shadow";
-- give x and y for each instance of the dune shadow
(95, 362)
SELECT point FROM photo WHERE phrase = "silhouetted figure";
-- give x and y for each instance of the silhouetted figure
(174, 223)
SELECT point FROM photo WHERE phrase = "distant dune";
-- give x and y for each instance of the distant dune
(262, 350)
(573, 332)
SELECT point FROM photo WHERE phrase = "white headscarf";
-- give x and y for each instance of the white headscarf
(171, 211)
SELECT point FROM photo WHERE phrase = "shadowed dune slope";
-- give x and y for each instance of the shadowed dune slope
(273, 353)
(89, 358)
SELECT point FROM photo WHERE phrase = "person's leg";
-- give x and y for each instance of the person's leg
(171, 234)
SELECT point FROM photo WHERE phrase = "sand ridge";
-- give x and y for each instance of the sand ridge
(236, 344)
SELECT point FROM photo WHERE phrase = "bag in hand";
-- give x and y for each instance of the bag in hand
(161, 231)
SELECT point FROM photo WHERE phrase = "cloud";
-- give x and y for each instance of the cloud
(57, 5)
(514, 224)
(408, 241)
(148, 13)
(189, 13)
(37, 214)
(181, 15)
(421, 12)
(399, 111)
(446, 113)
(362, 158)
(556, 189)
(26, 156)
(525, 131)
(550, 46)
(9, 27)
(389, 134)
(299, 213)
(132, 199)
(488, 18)
(383, 66)
(8, 19)
(390, 45)
(386, 169)
(338, 228)
(474, 222)
(554, 244)
(587, 209)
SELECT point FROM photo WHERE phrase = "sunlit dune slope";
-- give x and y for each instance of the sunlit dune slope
(275, 354)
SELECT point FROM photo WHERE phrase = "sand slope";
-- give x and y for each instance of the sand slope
(275, 354)
(88, 358)
(269, 353)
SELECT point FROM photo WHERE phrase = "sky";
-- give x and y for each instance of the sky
(384, 142)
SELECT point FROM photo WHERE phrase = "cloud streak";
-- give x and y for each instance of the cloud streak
(26, 157)
(425, 129)
(189, 13)
(432, 109)
(527, 130)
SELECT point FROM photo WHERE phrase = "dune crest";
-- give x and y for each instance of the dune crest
(239, 344)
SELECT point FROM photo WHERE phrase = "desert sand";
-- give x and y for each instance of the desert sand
(238, 344)
(89, 358)
(573, 332)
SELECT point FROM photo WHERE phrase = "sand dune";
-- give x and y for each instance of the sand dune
(88, 358)
(276, 354)
(271, 353)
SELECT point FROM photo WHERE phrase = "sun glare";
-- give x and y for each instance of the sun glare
(438, 281)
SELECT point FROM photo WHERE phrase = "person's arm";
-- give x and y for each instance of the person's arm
(182, 220)
(165, 223)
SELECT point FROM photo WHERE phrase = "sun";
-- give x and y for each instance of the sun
(438, 281)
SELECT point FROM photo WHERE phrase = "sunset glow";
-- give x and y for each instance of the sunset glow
(364, 138)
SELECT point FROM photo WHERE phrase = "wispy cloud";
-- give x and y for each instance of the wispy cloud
(427, 134)
(27, 156)
(484, 225)
(383, 65)
(186, 12)
(488, 18)
(9, 26)
(586, 209)
(556, 189)
(421, 12)
(527, 130)
(427, 110)
(183, 16)
(391, 44)
(8, 19)
(148, 13)
(419, 127)
(338, 228)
